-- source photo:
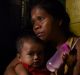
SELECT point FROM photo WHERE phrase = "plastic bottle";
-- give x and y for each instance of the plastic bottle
(56, 60)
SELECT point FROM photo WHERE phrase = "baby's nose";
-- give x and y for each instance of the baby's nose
(35, 56)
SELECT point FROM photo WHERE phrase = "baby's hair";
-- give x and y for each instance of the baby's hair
(25, 36)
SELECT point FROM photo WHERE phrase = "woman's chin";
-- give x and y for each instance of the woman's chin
(42, 38)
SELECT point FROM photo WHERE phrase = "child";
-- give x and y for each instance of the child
(31, 56)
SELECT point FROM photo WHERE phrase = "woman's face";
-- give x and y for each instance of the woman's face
(44, 25)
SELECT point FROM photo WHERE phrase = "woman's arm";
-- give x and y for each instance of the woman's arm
(10, 69)
(74, 60)
(77, 66)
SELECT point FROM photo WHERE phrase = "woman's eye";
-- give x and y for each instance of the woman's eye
(40, 18)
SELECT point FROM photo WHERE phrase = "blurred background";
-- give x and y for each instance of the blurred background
(13, 18)
(10, 22)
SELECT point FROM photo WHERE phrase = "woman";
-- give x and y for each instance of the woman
(51, 24)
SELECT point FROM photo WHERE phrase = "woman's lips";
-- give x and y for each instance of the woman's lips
(41, 34)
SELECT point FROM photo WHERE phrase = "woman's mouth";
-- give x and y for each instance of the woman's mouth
(41, 34)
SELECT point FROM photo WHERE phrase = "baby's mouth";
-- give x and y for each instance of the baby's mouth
(36, 64)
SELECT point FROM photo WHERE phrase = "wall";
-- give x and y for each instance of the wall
(73, 9)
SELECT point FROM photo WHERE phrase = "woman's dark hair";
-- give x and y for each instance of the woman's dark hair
(56, 10)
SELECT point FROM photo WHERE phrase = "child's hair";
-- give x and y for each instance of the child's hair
(25, 36)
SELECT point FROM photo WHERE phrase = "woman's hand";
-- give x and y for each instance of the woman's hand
(10, 69)
(20, 70)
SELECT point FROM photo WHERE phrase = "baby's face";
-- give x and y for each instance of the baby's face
(32, 54)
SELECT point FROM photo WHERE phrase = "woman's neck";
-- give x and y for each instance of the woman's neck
(60, 40)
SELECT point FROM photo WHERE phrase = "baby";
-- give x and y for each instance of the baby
(31, 54)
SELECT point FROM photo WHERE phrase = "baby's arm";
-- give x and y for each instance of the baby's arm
(20, 70)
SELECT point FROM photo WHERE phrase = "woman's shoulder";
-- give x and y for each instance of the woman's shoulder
(74, 55)
(73, 41)
(77, 66)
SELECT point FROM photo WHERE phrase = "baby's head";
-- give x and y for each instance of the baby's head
(31, 50)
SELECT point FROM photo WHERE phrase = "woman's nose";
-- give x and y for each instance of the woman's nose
(37, 26)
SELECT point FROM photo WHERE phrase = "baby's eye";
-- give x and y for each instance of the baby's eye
(40, 53)
(31, 54)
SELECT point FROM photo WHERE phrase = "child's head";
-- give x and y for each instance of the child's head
(31, 50)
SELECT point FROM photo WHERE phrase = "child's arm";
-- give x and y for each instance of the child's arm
(20, 70)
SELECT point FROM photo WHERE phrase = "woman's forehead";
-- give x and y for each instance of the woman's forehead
(38, 10)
